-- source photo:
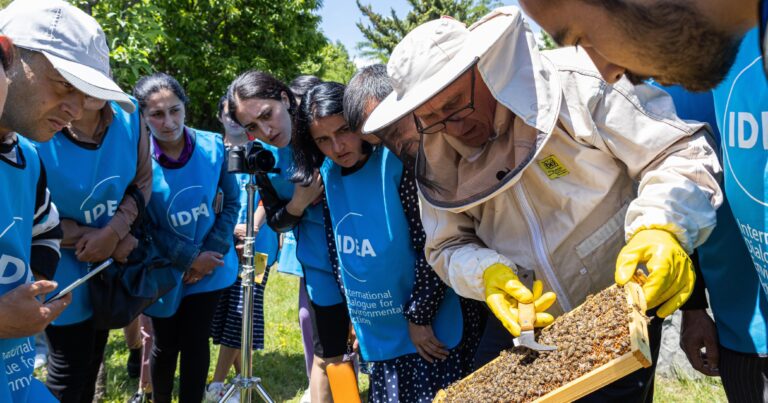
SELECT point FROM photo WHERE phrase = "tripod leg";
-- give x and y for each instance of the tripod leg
(263, 393)
(230, 392)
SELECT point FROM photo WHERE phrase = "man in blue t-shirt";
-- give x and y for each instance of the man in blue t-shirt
(735, 342)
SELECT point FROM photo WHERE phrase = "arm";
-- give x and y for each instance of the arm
(698, 333)
(46, 232)
(673, 161)
(72, 232)
(127, 211)
(455, 253)
(278, 217)
(219, 238)
(698, 299)
(428, 290)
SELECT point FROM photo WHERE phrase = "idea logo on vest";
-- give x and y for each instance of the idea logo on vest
(352, 245)
(13, 269)
(185, 209)
(95, 205)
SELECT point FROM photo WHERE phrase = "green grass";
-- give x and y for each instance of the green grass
(281, 364)
(683, 390)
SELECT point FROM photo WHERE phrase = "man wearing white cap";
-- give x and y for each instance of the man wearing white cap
(62, 62)
(531, 161)
(60, 57)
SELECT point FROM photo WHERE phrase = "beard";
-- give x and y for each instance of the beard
(682, 45)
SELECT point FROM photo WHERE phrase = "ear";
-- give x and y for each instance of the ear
(285, 100)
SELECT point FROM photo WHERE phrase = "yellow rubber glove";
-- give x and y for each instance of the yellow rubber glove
(671, 276)
(502, 292)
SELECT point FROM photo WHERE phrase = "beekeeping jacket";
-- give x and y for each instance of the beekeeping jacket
(574, 168)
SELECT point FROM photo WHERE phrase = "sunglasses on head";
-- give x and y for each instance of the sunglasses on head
(6, 51)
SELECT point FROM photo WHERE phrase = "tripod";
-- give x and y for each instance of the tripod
(252, 271)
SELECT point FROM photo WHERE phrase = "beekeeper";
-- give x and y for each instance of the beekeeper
(530, 161)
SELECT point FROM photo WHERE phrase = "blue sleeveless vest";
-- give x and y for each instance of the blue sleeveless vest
(87, 186)
(266, 239)
(741, 105)
(377, 260)
(287, 261)
(311, 246)
(182, 203)
(17, 205)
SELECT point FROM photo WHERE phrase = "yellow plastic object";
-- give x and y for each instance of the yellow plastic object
(671, 276)
(343, 382)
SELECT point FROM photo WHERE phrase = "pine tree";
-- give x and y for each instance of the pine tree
(385, 32)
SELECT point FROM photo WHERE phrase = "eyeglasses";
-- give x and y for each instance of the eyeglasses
(454, 117)
(6, 51)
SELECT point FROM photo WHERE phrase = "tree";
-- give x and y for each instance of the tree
(385, 32)
(206, 43)
(332, 63)
(546, 42)
(134, 32)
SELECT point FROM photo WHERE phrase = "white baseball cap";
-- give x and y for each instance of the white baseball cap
(70, 39)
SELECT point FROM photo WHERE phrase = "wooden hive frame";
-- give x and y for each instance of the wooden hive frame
(638, 357)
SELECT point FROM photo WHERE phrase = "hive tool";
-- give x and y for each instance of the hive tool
(527, 317)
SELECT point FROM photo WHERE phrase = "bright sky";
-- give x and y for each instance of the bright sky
(340, 16)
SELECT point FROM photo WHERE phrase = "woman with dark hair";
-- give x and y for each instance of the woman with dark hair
(301, 84)
(92, 190)
(266, 108)
(287, 262)
(194, 208)
(414, 331)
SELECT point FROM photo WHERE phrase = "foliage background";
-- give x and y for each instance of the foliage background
(207, 43)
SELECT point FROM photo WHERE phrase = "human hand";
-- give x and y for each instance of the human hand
(203, 265)
(304, 196)
(239, 248)
(427, 345)
(124, 248)
(671, 276)
(697, 332)
(352, 339)
(240, 230)
(97, 246)
(503, 290)
(22, 314)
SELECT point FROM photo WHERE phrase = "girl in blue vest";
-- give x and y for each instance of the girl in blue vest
(410, 326)
(227, 322)
(88, 185)
(266, 108)
(194, 208)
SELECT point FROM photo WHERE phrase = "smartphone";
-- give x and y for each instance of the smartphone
(81, 280)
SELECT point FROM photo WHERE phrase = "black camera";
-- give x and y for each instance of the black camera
(252, 158)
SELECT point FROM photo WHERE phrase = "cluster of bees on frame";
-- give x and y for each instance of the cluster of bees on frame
(586, 338)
